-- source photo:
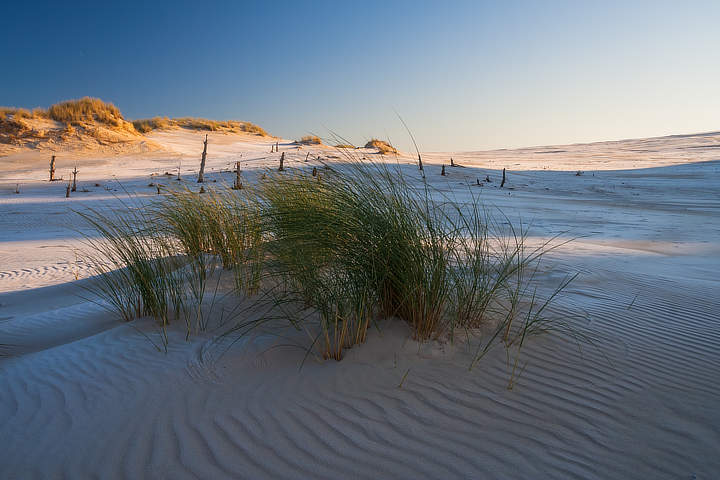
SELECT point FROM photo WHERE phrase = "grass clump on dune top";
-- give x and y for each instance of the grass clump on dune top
(86, 110)
(382, 146)
(309, 140)
(191, 123)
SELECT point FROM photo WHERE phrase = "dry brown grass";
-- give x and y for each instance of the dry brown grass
(309, 140)
(86, 110)
(382, 146)
(149, 124)
(344, 145)
(227, 126)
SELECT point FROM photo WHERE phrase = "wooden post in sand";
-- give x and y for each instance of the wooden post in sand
(502, 184)
(277, 146)
(452, 163)
(442, 172)
(282, 162)
(420, 162)
(74, 180)
(238, 181)
(307, 156)
(201, 175)
(52, 168)
(67, 191)
(314, 172)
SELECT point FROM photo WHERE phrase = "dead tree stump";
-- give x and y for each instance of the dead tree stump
(201, 175)
(502, 184)
(52, 168)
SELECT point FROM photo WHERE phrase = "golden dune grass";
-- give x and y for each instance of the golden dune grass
(382, 146)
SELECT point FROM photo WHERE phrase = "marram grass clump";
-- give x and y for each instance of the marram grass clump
(330, 256)
(382, 146)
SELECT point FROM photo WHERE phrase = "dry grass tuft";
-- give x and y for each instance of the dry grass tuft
(309, 140)
(226, 126)
(86, 110)
(344, 145)
(147, 125)
(382, 146)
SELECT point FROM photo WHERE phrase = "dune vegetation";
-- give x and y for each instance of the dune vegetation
(309, 140)
(228, 126)
(382, 146)
(330, 256)
(97, 121)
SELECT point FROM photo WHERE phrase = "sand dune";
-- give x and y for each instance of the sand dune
(84, 395)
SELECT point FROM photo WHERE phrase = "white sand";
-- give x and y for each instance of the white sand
(85, 395)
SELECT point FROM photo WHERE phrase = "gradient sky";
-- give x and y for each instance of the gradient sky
(463, 75)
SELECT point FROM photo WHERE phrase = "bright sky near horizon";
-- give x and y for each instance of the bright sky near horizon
(464, 75)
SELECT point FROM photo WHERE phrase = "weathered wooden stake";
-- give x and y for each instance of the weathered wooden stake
(487, 178)
(307, 156)
(158, 188)
(314, 171)
(74, 180)
(478, 181)
(52, 168)
(282, 162)
(277, 146)
(420, 162)
(452, 163)
(502, 184)
(201, 175)
(238, 181)
(67, 191)
(202, 189)
(17, 188)
(442, 172)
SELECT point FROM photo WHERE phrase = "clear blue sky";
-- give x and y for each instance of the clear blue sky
(464, 75)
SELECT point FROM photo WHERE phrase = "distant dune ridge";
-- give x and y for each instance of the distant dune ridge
(90, 124)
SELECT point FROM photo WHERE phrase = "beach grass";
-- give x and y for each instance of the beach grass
(329, 256)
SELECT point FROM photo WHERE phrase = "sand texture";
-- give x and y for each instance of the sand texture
(84, 395)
